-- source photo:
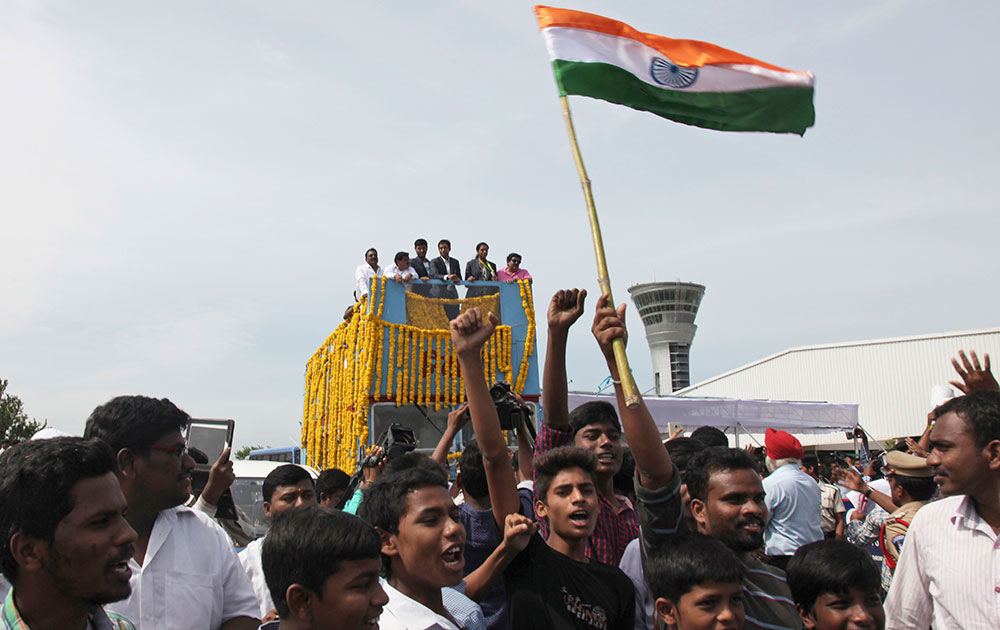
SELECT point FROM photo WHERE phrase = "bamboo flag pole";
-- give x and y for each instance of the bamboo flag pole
(621, 360)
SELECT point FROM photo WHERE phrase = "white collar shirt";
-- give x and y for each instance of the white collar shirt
(250, 558)
(392, 271)
(189, 578)
(404, 613)
(948, 575)
(363, 279)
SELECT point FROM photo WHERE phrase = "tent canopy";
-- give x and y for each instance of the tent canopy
(748, 416)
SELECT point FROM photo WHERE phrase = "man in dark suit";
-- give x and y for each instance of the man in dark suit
(446, 268)
(421, 266)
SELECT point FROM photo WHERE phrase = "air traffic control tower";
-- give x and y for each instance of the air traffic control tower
(668, 310)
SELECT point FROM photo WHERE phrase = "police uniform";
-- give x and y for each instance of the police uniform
(894, 529)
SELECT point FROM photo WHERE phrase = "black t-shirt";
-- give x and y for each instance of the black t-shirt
(550, 591)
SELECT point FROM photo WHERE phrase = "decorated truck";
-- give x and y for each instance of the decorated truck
(392, 362)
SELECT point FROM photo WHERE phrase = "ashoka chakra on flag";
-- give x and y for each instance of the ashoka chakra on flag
(668, 73)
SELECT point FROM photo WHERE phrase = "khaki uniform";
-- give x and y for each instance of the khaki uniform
(894, 531)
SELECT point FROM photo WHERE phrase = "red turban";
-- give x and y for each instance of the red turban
(782, 445)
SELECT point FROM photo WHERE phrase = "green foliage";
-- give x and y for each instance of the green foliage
(14, 423)
(243, 451)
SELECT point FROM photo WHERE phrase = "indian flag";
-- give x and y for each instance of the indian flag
(687, 81)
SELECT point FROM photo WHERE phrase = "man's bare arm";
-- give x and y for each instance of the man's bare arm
(651, 458)
(457, 418)
(565, 308)
(469, 331)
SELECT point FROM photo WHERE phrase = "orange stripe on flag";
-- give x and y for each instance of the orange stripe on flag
(683, 52)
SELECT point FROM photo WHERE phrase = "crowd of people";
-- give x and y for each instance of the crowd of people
(418, 269)
(577, 531)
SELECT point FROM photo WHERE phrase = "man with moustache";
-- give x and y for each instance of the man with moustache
(946, 575)
(727, 502)
(185, 573)
(65, 543)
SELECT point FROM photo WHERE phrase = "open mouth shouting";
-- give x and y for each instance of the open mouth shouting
(580, 518)
(453, 558)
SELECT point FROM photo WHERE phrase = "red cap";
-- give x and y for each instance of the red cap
(782, 445)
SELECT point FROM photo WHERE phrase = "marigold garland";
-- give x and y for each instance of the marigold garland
(346, 374)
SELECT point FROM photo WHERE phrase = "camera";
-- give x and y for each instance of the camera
(395, 441)
(509, 409)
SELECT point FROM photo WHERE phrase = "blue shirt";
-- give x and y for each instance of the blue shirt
(793, 505)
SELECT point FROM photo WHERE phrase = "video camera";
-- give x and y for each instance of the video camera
(513, 413)
(395, 441)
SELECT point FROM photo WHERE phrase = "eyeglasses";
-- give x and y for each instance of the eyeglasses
(177, 451)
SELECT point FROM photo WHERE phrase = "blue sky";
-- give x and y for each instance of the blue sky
(187, 188)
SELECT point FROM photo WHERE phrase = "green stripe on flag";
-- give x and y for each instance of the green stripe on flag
(778, 110)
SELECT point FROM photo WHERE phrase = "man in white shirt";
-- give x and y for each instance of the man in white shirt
(285, 487)
(946, 576)
(365, 272)
(400, 269)
(185, 573)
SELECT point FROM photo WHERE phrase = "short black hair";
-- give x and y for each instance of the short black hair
(383, 503)
(371, 249)
(554, 461)
(981, 412)
(710, 436)
(712, 460)
(470, 467)
(810, 461)
(514, 255)
(480, 244)
(306, 545)
(400, 256)
(419, 242)
(682, 450)
(830, 566)
(444, 241)
(37, 478)
(284, 475)
(135, 422)
(332, 480)
(680, 563)
(593, 412)
(919, 488)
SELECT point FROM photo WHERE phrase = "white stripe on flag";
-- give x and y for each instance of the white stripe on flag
(584, 45)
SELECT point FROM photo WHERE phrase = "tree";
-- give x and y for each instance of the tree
(14, 423)
(244, 451)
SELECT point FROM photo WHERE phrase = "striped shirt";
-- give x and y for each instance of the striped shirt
(948, 575)
(616, 527)
(767, 600)
(10, 618)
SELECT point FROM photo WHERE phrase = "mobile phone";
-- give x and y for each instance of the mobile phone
(210, 437)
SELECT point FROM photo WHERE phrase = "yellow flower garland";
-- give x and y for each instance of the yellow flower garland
(345, 375)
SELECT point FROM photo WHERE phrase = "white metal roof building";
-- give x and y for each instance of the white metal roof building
(890, 379)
